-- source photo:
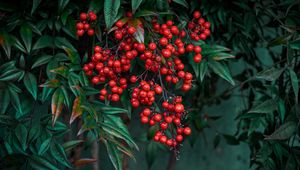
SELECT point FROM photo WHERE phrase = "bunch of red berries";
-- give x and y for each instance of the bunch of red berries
(85, 24)
(199, 28)
(163, 56)
(167, 120)
(145, 93)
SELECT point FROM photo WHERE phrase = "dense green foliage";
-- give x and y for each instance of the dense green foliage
(49, 112)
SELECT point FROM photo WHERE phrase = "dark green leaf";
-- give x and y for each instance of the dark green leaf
(35, 4)
(42, 60)
(44, 146)
(295, 83)
(182, 2)
(267, 106)
(43, 42)
(270, 74)
(21, 133)
(30, 83)
(71, 144)
(135, 4)
(111, 8)
(38, 162)
(221, 70)
(26, 35)
(285, 131)
(114, 155)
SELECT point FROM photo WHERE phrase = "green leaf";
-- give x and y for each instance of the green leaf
(21, 133)
(57, 104)
(281, 109)
(35, 4)
(231, 140)
(108, 109)
(76, 109)
(4, 100)
(57, 151)
(11, 75)
(162, 5)
(270, 74)
(285, 131)
(182, 2)
(295, 44)
(203, 67)
(114, 155)
(114, 125)
(143, 13)
(62, 43)
(42, 60)
(71, 144)
(267, 106)
(30, 83)
(135, 4)
(221, 70)
(44, 146)
(26, 35)
(295, 83)
(15, 100)
(139, 34)
(43, 42)
(38, 162)
(111, 8)
(62, 4)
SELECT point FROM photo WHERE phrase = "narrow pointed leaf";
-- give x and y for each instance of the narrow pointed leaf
(57, 104)
(285, 131)
(30, 83)
(77, 109)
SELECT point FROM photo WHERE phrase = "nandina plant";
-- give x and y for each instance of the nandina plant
(89, 71)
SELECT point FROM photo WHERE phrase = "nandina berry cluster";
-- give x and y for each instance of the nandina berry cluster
(145, 93)
(84, 25)
(199, 28)
(174, 113)
(162, 57)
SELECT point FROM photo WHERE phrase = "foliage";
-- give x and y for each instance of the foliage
(49, 108)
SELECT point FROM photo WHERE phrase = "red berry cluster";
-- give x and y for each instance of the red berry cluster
(163, 57)
(145, 93)
(85, 24)
(174, 113)
(199, 27)
(123, 29)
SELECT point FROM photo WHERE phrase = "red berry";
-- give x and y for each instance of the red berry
(179, 108)
(197, 58)
(83, 16)
(144, 119)
(152, 46)
(169, 142)
(80, 33)
(79, 25)
(197, 49)
(133, 79)
(103, 92)
(95, 80)
(179, 138)
(163, 41)
(187, 131)
(164, 125)
(196, 14)
(90, 32)
(163, 139)
(131, 30)
(119, 23)
(146, 112)
(158, 90)
(115, 97)
(157, 117)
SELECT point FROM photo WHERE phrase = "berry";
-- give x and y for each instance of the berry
(179, 108)
(83, 16)
(187, 131)
(196, 14)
